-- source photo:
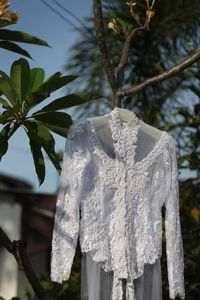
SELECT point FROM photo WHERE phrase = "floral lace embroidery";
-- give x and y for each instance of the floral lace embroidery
(174, 244)
(129, 178)
(108, 239)
(66, 223)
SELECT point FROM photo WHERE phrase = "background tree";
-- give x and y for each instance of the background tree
(173, 36)
(171, 105)
(21, 91)
(9, 37)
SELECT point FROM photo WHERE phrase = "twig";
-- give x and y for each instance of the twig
(100, 35)
(126, 47)
(163, 76)
(123, 60)
(135, 19)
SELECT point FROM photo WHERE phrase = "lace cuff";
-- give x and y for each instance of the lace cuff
(174, 244)
(67, 215)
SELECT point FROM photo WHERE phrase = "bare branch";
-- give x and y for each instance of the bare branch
(123, 60)
(166, 75)
(28, 269)
(135, 19)
(17, 249)
(124, 57)
(100, 35)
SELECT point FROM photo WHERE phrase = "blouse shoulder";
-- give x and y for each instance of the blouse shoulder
(76, 129)
(172, 142)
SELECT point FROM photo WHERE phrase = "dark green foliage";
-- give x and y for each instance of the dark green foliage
(174, 34)
(4, 140)
(24, 89)
(8, 36)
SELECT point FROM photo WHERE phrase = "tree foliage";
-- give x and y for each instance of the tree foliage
(173, 35)
(9, 37)
(23, 90)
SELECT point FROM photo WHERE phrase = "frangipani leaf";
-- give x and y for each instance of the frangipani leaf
(4, 140)
(44, 139)
(36, 78)
(19, 36)
(7, 89)
(20, 75)
(70, 100)
(6, 116)
(14, 48)
(54, 120)
(4, 23)
(62, 131)
(38, 157)
(4, 103)
(53, 83)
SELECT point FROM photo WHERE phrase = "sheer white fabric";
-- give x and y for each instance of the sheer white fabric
(97, 284)
(115, 180)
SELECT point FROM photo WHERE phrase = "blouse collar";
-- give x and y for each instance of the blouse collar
(115, 117)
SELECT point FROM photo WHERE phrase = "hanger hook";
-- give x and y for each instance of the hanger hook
(123, 99)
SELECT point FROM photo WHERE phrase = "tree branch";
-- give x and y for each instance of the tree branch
(17, 248)
(28, 269)
(123, 60)
(166, 75)
(100, 35)
(126, 47)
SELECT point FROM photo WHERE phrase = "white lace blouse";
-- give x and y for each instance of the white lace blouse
(112, 188)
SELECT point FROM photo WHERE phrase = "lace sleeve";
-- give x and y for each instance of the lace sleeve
(66, 223)
(174, 244)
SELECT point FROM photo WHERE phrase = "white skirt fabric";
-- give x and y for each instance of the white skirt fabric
(96, 284)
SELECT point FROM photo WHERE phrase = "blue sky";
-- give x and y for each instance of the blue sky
(37, 19)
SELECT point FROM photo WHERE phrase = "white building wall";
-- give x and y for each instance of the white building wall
(10, 221)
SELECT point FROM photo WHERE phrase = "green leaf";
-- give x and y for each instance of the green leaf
(4, 23)
(44, 138)
(38, 157)
(62, 131)
(4, 140)
(56, 81)
(19, 75)
(6, 77)
(6, 116)
(126, 27)
(4, 103)
(14, 48)
(36, 78)
(7, 89)
(70, 100)
(53, 83)
(59, 119)
(19, 36)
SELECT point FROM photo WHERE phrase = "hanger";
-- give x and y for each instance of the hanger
(125, 114)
